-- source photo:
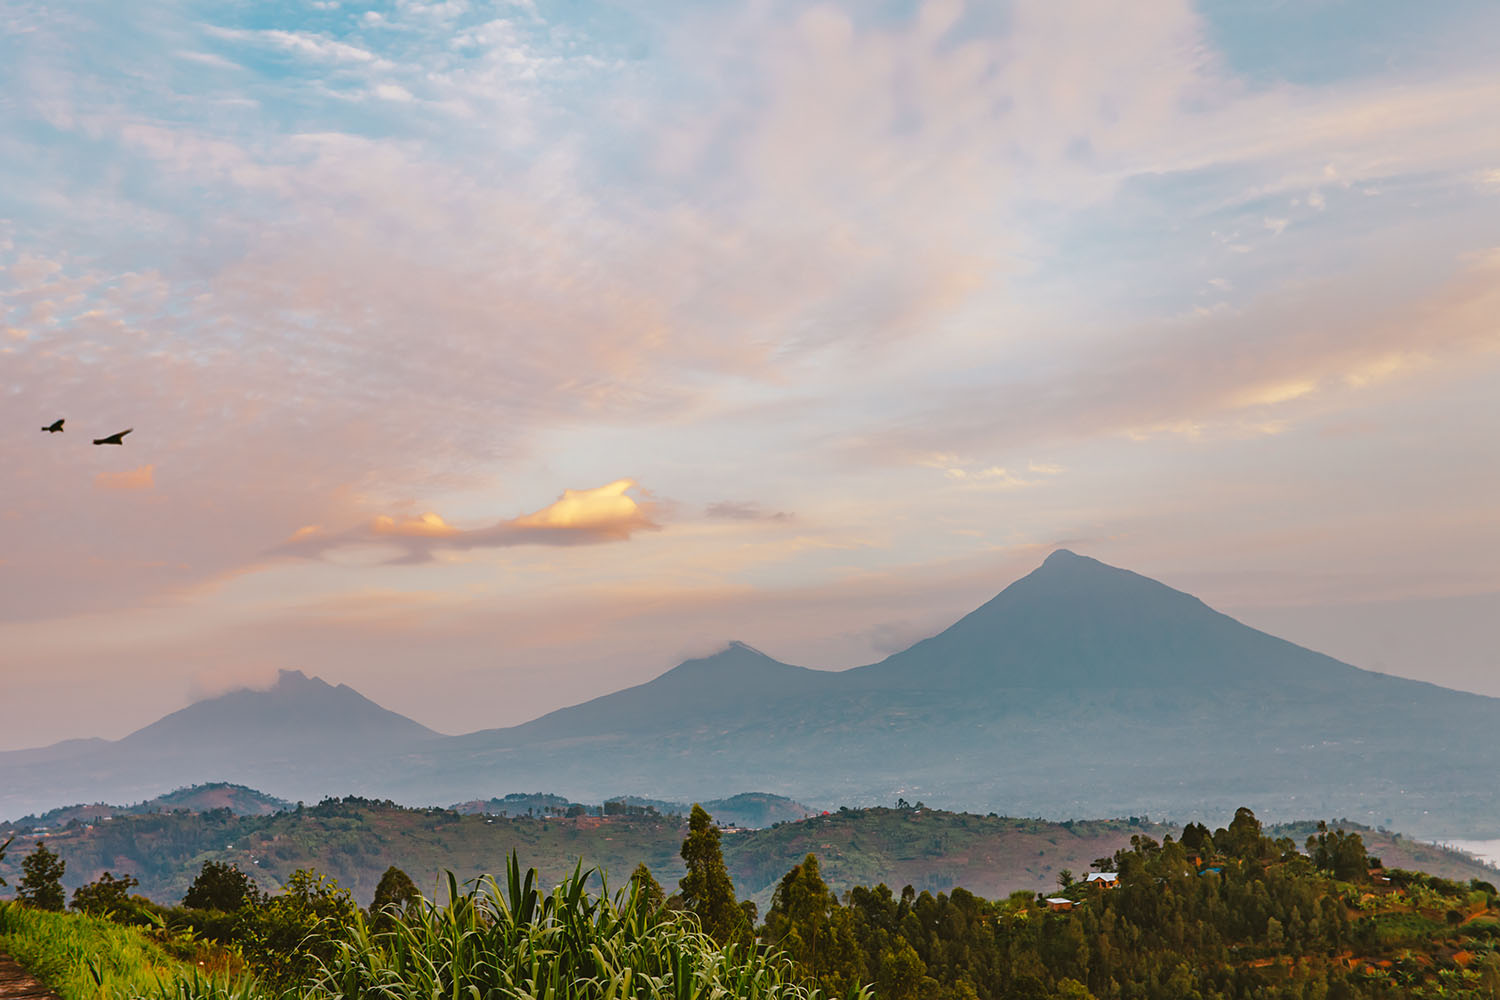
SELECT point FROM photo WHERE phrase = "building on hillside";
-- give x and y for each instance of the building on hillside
(1108, 880)
(1058, 904)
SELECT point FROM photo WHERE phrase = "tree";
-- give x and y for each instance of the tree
(1064, 878)
(221, 886)
(1243, 838)
(1341, 853)
(806, 921)
(1196, 838)
(648, 890)
(394, 895)
(104, 895)
(305, 925)
(41, 879)
(902, 974)
(707, 889)
(2, 856)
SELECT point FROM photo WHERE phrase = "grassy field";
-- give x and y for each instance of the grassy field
(88, 958)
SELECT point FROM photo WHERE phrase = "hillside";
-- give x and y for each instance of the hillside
(747, 809)
(1080, 690)
(355, 840)
(238, 799)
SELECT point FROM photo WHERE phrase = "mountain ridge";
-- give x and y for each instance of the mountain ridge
(1080, 689)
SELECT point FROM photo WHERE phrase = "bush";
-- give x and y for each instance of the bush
(104, 895)
(221, 886)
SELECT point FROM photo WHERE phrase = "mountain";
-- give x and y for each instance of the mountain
(295, 714)
(300, 734)
(1076, 624)
(1080, 690)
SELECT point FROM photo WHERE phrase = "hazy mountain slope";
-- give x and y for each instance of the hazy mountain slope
(295, 713)
(1081, 689)
(1076, 625)
(731, 687)
(299, 738)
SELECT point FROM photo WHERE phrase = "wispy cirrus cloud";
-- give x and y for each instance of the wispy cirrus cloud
(744, 510)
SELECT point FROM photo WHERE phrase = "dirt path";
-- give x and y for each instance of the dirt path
(17, 984)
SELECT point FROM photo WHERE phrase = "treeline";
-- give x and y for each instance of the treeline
(1230, 914)
(1227, 914)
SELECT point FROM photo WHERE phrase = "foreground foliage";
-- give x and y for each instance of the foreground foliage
(499, 942)
(1230, 914)
(85, 957)
(515, 942)
(1222, 916)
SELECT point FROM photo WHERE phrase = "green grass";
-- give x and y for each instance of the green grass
(90, 958)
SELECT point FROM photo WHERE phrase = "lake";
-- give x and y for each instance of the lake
(1487, 851)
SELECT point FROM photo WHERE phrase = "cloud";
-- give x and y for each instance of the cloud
(141, 478)
(1298, 349)
(393, 92)
(739, 510)
(579, 517)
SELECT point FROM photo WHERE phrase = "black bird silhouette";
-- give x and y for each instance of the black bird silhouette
(114, 438)
(55, 427)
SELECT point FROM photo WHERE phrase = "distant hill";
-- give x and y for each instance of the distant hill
(748, 809)
(1081, 689)
(238, 799)
(355, 840)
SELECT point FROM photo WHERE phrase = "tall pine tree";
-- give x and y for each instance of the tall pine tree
(41, 879)
(707, 889)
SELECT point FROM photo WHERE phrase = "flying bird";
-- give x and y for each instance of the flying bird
(55, 427)
(113, 438)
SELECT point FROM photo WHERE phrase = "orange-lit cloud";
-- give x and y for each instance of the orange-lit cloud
(606, 513)
(141, 478)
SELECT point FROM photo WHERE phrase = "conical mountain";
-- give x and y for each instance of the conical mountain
(296, 712)
(301, 738)
(737, 683)
(1077, 625)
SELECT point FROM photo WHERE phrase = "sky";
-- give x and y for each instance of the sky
(491, 356)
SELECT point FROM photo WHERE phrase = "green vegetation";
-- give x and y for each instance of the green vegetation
(1231, 914)
(106, 894)
(707, 889)
(517, 942)
(1228, 915)
(41, 879)
(510, 942)
(394, 896)
(357, 840)
(86, 957)
(220, 887)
